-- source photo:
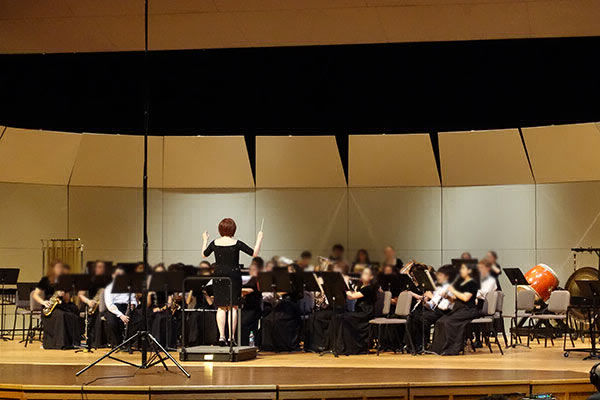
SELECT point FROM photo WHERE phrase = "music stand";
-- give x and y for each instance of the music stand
(169, 283)
(136, 283)
(424, 283)
(335, 289)
(8, 276)
(391, 283)
(516, 278)
(72, 283)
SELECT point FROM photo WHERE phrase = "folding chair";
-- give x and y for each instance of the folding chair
(22, 306)
(487, 321)
(558, 303)
(525, 306)
(401, 315)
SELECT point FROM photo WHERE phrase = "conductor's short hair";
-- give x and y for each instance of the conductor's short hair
(227, 227)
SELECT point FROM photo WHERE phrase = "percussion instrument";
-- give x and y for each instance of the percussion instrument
(581, 274)
(542, 280)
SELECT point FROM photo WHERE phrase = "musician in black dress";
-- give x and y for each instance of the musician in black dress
(201, 325)
(90, 299)
(251, 304)
(62, 328)
(227, 256)
(449, 333)
(352, 328)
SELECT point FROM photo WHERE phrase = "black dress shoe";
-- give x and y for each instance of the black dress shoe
(222, 343)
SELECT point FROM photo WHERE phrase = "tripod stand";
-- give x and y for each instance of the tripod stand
(136, 283)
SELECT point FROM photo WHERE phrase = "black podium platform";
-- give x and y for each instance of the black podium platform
(217, 353)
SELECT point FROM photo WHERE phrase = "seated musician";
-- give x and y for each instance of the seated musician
(449, 332)
(361, 261)
(305, 261)
(62, 327)
(390, 258)
(118, 316)
(163, 320)
(352, 328)
(488, 285)
(280, 328)
(252, 303)
(201, 325)
(496, 271)
(91, 300)
(435, 306)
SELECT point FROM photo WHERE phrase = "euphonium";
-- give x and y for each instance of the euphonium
(54, 301)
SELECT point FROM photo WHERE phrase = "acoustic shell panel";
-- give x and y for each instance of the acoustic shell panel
(473, 158)
(564, 153)
(28, 26)
(207, 162)
(298, 161)
(117, 161)
(391, 160)
(33, 156)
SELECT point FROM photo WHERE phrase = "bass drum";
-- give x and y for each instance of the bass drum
(581, 274)
(542, 280)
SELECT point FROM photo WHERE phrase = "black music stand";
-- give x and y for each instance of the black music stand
(8, 276)
(424, 283)
(136, 283)
(591, 291)
(335, 289)
(391, 283)
(169, 283)
(73, 283)
(516, 278)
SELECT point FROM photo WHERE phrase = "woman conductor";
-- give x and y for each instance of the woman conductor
(227, 256)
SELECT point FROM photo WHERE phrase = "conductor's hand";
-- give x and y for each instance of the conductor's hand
(124, 318)
(205, 236)
(260, 235)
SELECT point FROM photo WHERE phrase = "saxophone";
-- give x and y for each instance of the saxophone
(54, 301)
(96, 299)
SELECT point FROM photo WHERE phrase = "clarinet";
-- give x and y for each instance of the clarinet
(436, 304)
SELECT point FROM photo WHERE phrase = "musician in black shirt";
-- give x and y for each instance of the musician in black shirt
(449, 333)
(62, 328)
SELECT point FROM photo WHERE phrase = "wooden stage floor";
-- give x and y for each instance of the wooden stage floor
(34, 372)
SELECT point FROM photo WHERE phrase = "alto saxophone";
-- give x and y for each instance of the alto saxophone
(96, 300)
(54, 301)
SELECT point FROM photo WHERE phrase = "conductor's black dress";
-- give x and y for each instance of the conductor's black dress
(228, 265)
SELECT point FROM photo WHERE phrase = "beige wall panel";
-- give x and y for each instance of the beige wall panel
(207, 162)
(488, 217)
(298, 161)
(126, 256)
(29, 213)
(564, 17)
(187, 213)
(29, 261)
(112, 218)
(454, 22)
(117, 161)
(302, 219)
(391, 160)
(72, 34)
(407, 218)
(564, 153)
(33, 156)
(195, 31)
(568, 216)
(492, 158)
